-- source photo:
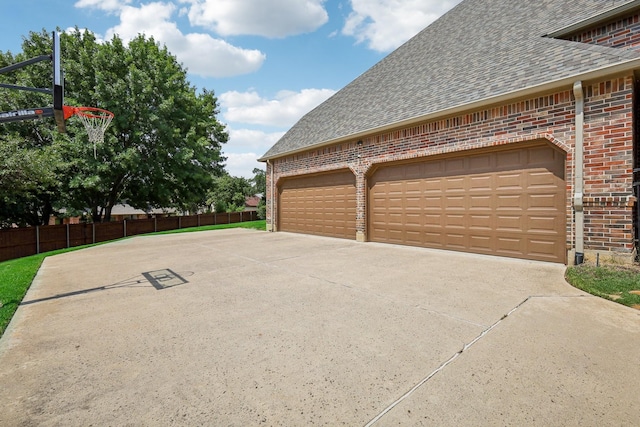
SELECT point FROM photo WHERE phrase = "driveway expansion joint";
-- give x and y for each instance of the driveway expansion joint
(445, 364)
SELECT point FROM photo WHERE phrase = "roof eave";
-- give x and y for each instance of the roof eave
(544, 87)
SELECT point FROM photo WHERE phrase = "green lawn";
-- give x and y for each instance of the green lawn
(16, 275)
(611, 282)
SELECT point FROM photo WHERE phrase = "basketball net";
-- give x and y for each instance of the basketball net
(95, 121)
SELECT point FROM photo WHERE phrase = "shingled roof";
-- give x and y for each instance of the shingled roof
(479, 51)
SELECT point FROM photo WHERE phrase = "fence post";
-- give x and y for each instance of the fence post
(37, 239)
(124, 227)
(179, 222)
(155, 224)
(93, 228)
(198, 220)
(228, 217)
(68, 240)
(241, 217)
(215, 218)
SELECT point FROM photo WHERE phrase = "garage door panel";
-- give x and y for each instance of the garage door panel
(480, 202)
(432, 239)
(432, 219)
(511, 181)
(483, 244)
(455, 221)
(481, 183)
(509, 202)
(539, 224)
(480, 222)
(544, 201)
(434, 202)
(541, 179)
(508, 223)
(454, 184)
(454, 202)
(455, 240)
(321, 204)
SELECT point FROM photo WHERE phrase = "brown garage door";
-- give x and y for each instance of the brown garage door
(509, 202)
(320, 204)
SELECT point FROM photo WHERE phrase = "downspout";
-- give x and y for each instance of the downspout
(270, 164)
(578, 160)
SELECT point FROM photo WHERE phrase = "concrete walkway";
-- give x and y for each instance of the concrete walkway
(241, 327)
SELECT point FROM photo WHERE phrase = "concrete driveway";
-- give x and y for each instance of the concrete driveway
(241, 327)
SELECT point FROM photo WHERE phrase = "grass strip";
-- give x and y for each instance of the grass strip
(615, 283)
(257, 225)
(16, 275)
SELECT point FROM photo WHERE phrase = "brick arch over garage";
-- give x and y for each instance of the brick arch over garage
(506, 199)
(367, 164)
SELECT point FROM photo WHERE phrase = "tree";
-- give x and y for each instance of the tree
(259, 181)
(163, 148)
(260, 187)
(28, 184)
(229, 193)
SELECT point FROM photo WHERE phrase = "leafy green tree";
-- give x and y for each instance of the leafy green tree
(259, 181)
(260, 187)
(163, 148)
(28, 184)
(229, 193)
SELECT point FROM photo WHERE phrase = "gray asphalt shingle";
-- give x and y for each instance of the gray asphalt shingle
(479, 49)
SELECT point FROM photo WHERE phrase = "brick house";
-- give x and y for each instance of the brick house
(506, 127)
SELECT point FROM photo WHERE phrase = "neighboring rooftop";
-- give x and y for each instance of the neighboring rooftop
(479, 50)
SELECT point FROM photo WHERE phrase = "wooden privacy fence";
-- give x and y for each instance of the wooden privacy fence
(20, 242)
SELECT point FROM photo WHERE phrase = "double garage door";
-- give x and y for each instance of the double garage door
(508, 202)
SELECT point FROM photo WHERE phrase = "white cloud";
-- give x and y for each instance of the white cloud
(106, 5)
(274, 18)
(71, 30)
(386, 24)
(202, 54)
(282, 112)
(242, 164)
(253, 140)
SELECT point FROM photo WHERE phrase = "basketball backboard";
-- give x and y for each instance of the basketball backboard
(56, 91)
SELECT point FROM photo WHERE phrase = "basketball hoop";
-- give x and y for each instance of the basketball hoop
(95, 121)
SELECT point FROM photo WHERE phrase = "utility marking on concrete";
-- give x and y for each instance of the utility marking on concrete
(163, 279)
(444, 365)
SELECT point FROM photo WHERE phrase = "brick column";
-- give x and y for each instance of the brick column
(359, 169)
(270, 199)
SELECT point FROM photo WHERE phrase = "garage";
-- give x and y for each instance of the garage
(507, 202)
(323, 204)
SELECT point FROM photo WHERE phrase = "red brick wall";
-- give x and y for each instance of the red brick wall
(608, 158)
(620, 33)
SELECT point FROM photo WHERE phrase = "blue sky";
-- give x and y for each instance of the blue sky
(268, 61)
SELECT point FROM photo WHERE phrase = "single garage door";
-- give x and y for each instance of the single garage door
(508, 202)
(319, 204)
